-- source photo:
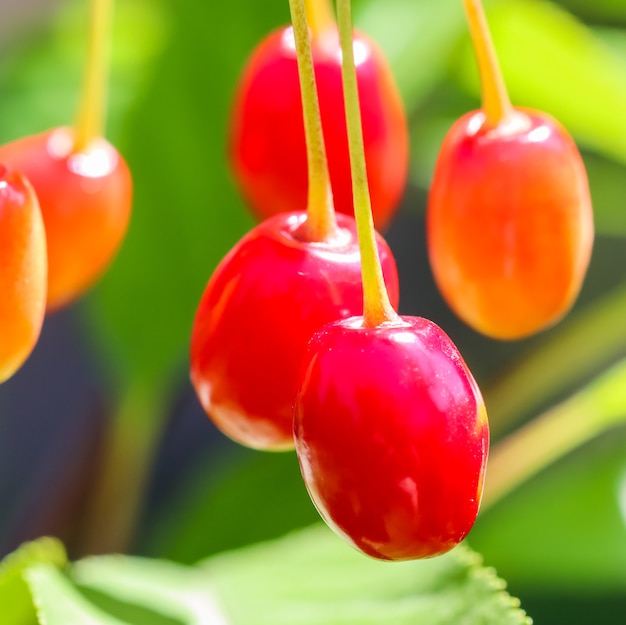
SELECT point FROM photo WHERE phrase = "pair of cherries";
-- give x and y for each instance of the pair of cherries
(388, 422)
(65, 200)
(63, 214)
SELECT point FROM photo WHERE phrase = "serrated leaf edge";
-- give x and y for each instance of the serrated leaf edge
(488, 576)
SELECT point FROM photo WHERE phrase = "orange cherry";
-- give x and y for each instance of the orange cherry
(85, 197)
(23, 269)
(509, 219)
(82, 183)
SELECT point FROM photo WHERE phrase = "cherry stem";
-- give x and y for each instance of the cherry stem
(377, 308)
(130, 445)
(596, 335)
(321, 224)
(596, 408)
(319, 15)
(91, 115)
(496, 103)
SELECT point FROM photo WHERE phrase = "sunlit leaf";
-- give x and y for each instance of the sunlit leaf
(59, 603)
(169, 590)
(311, 578)
(16, 603)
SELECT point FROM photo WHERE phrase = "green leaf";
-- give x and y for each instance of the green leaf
(15, 598)
(554, 63)
(58, 602)
(175, 594)
(312, 577)
(309, 578)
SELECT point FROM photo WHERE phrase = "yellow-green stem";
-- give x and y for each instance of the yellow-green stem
(376, 306)
(496, 103)
(117, 497)
(321, 224)
(319, 15)
(91, 114)
(596, 408)
(587, 341)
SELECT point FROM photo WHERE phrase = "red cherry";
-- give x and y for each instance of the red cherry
(258, 312)
(85, 198)
(510, 225)
(267, 143)
(392, 436)
(22, 271)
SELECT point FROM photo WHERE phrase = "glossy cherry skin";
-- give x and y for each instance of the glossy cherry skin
(392, 437)
(266, 141)
(85, 200)
(259, 310)
(23, 271)
(509, 223)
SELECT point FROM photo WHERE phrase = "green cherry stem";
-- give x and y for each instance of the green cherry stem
(376, 306)
(319, 15)
(91, 115)
(130, 445)
(496, 103)
(321, 224)
(596, 408)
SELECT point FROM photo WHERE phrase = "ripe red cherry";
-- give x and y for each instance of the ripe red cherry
(509, 220)
(258, 312)
(22, 271)
(85, 198)
(267, 143)
(392, 436)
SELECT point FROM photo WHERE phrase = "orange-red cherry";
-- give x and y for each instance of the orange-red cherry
(267, 143)
(85, 197)
(509, 223)
(23, 267)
